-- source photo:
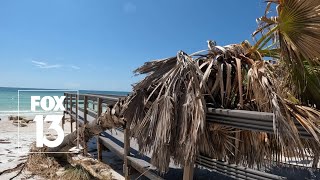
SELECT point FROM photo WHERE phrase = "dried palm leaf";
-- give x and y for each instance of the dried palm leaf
(167, 109)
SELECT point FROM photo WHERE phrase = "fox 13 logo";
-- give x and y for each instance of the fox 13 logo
(48, 104)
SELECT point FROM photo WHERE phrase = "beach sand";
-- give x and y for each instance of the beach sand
(13, 152)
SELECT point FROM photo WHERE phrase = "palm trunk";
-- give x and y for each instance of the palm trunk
(88, 130)
(110, 119)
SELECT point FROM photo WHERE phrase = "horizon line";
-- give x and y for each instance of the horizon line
(64, 89)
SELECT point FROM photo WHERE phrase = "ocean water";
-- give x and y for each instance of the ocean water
(13, 100)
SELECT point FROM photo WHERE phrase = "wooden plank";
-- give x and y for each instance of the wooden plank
(143, 167)
(111, 97)
(140, 165)
(91, 115)
(105, 102)
(112, 146)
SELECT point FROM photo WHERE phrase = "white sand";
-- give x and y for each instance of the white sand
(14, 152)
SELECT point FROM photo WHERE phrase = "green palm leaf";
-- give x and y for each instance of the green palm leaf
(295, 36)
(299, 30)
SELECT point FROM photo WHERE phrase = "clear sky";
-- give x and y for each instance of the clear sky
(96, 44)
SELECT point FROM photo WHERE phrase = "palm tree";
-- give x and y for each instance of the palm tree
(167, 110)
(168, 106)
(293, 37)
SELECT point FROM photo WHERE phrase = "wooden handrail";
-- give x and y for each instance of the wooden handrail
(241, 119)
(109, 97)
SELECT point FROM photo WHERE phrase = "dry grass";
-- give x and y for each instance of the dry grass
(66, 167)
(42, 165)
(77, 173)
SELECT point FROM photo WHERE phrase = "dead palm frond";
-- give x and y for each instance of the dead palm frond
(164, 93)
(167, 109)
(166, 112)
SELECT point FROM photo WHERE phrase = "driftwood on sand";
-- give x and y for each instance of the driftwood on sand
(96, 168)
(12, 117)
(20, 121)
(93, 128)
(48, 167)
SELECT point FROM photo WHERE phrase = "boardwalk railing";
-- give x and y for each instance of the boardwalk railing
(247, 120)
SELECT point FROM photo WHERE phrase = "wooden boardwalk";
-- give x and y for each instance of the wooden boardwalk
(127, 149)
(113, 141)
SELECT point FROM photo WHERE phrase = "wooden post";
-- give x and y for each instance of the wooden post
(99, 101)
(64, 112)
(188, 171)
(66, 104)
(63, 120)
(126, 150)
(85, 112)
(85, 109)
(77, 118)
(99, 148)
(70, 113)
(66, 101)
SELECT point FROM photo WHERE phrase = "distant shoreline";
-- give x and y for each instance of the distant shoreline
(67, 89)
(10, 100)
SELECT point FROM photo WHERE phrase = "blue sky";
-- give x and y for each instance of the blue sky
(96, 44)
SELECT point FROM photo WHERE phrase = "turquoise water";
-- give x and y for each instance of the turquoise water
(14, 99)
